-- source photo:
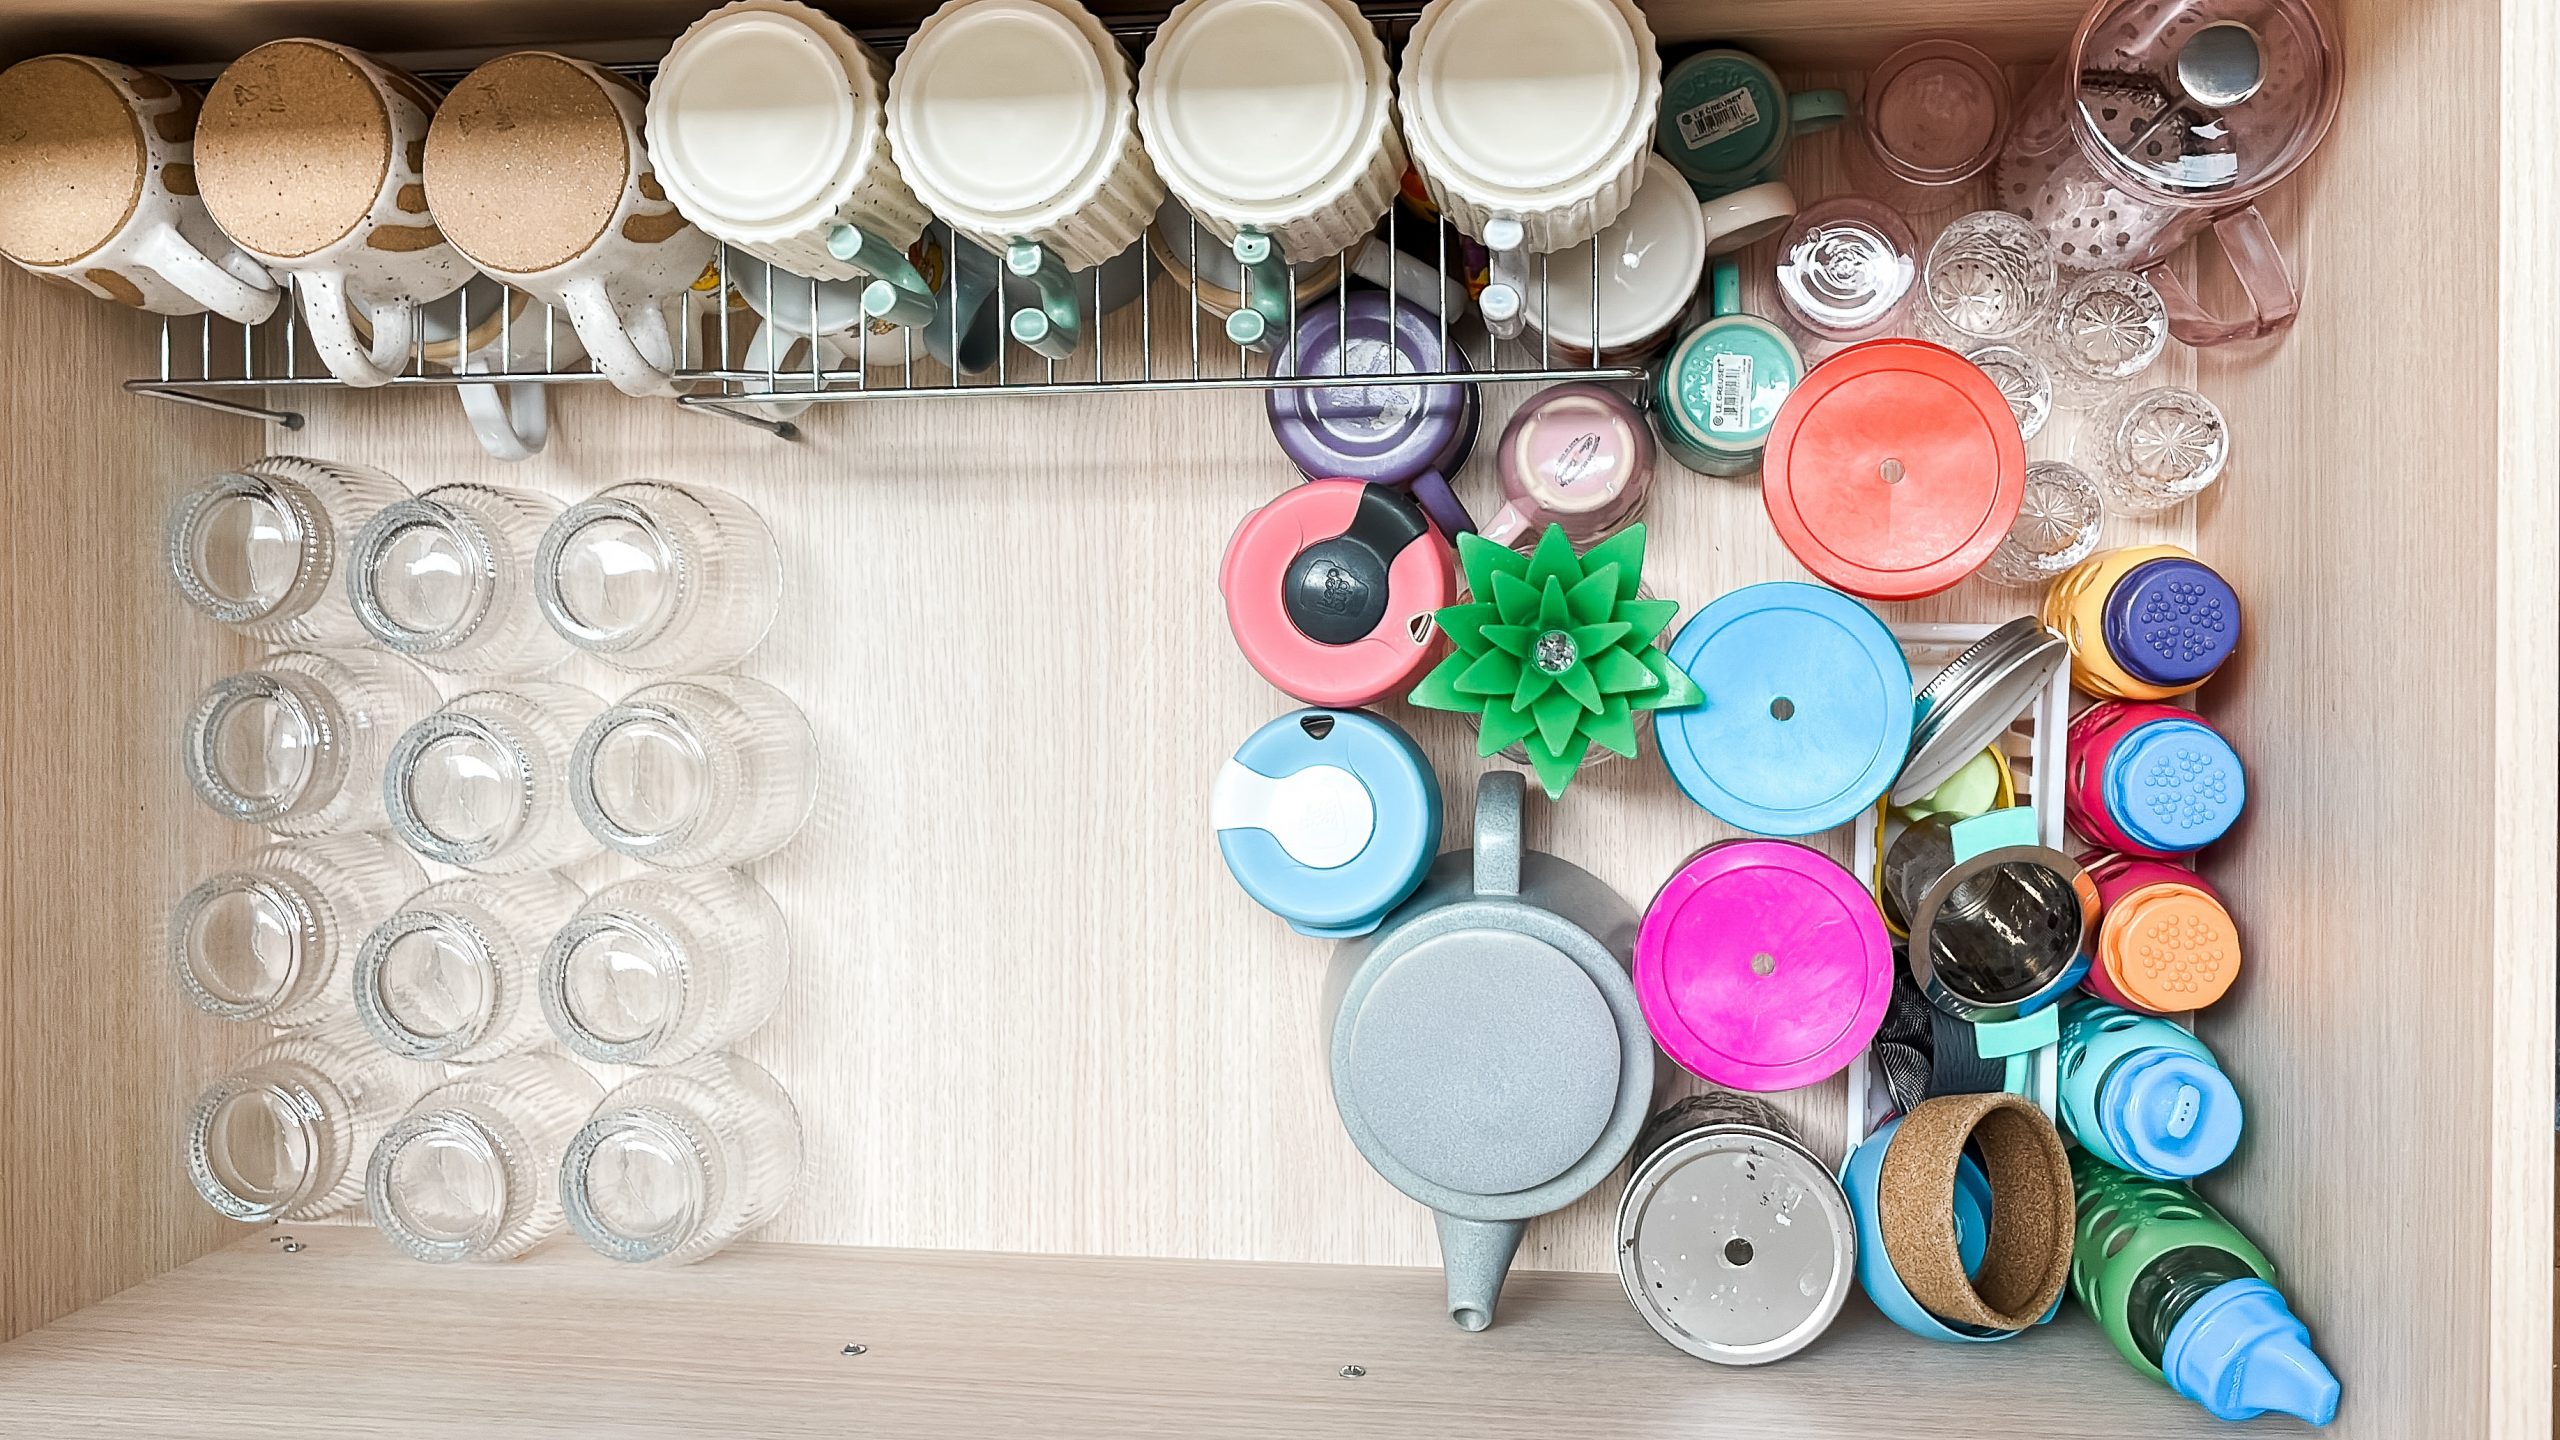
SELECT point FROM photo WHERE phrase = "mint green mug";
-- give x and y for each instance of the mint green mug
(1718, 392)
(1727, 121)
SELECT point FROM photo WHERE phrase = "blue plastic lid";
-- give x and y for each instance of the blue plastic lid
(2169, 1114)
(2239, 1352)
(1807, 710)
(2174, 785)
(2172, 622)
(1329, 819)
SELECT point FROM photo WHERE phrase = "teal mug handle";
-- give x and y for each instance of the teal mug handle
(1812, 111)
(897, 293)
(1057, 325)
(1724, 289)
(1268, 287)
(959, 333)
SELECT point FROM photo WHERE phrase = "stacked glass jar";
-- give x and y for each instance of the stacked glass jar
(416, 935)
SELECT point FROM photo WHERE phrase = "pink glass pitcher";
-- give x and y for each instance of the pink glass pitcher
(2164, 117)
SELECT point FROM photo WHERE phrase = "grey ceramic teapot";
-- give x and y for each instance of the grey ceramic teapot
(1488, 1054)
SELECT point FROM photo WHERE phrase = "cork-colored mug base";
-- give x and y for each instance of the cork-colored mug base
(527, 163)
(293, 149)
(72, 160)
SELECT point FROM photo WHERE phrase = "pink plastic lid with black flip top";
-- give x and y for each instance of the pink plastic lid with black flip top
(1330, 591)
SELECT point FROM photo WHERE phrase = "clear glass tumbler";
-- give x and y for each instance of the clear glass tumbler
(483, 782)
(297, 745)
(451, 974)
(657, 970)
(1934, 115)
(2057, 527)
(1990, 276)
(660, 579)
(259, 549)
(446, 578)
(714, 770)
(1847, 268)
(2025, 382)
(2151, 450)
(285, 1136)
(472, 1172)
(274, 939)
(679, 1163)
(2107, 329)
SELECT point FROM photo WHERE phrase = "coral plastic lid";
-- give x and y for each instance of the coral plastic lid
(1763, 965)
(2175, 785)
(1330, 591)
(2170, 948)
(1894, 470)
(1807, 715)
(2172, 622)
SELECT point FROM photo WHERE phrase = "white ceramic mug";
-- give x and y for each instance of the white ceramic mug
(308, 155)
(1274, 123)
(1529, 122)
(1014, 121)
(509, 332)
(768, 125)
(1650, 260)
(98, 191)
(539, 171)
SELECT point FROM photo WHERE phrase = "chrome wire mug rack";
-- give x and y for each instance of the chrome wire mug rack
(1160, 339)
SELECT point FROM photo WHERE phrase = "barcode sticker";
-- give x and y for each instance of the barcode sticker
(1728, 114)
(1729, 394)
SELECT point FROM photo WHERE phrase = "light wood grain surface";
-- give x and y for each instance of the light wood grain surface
(344, 1340)
(1030, 1010)
(97, 828)
(2397, 1000)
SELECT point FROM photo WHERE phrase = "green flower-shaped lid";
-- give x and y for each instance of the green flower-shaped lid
(1556, 651)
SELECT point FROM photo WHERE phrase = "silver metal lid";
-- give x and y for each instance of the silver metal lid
(1736, 1245)
(1964, 711)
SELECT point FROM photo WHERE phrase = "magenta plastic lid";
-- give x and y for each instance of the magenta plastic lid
(1763, 965)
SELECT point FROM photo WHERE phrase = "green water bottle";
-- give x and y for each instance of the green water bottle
(2187, 1298)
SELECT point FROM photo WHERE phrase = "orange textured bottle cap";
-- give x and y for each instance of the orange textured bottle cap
(2170, 948)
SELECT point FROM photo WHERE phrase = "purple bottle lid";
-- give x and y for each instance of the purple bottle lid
(1763, 965)
(2172, 622)
(1383, 433)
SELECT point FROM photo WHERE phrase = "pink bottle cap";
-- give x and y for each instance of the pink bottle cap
(1763, 965)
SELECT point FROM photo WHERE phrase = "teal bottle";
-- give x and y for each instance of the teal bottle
(2185, 1297)
(2144, 1095)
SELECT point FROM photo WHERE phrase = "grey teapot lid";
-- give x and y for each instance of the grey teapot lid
(1485, 1060)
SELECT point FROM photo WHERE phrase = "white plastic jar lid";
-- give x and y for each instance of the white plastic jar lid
(756, 118)
(1251, 105)
(1000, 110)
(1526, 99)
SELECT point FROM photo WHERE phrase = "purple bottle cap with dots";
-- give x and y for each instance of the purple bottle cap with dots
(2172, 622)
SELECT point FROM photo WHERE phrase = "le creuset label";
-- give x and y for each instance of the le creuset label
(1807, 716)
(1328, 819)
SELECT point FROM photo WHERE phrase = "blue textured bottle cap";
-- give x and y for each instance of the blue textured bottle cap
(1807, 710)
(2175, 785)
(1328, 819)
(2239, 1352)
(2170, 1114)
(2172, 622)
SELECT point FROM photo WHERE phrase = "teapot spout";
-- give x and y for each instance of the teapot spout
(1476, 1254)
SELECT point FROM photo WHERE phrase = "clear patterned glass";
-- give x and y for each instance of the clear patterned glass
(1846, 269)
(451, 974)
(660, 579)
(446, 578)
(298, 744)
(714, 770)
(1990, 276)
(680, 1163)
(2107, 329)
(285, 1136)
(259, 549)
(472, 1172)
(2151, 450)
(484, 782)
(274, 939)
(665, 967)
(2057, 527)
(2024, 382)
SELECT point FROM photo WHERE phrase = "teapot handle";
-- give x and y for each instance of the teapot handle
(2264, 277)
(1499, 796)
